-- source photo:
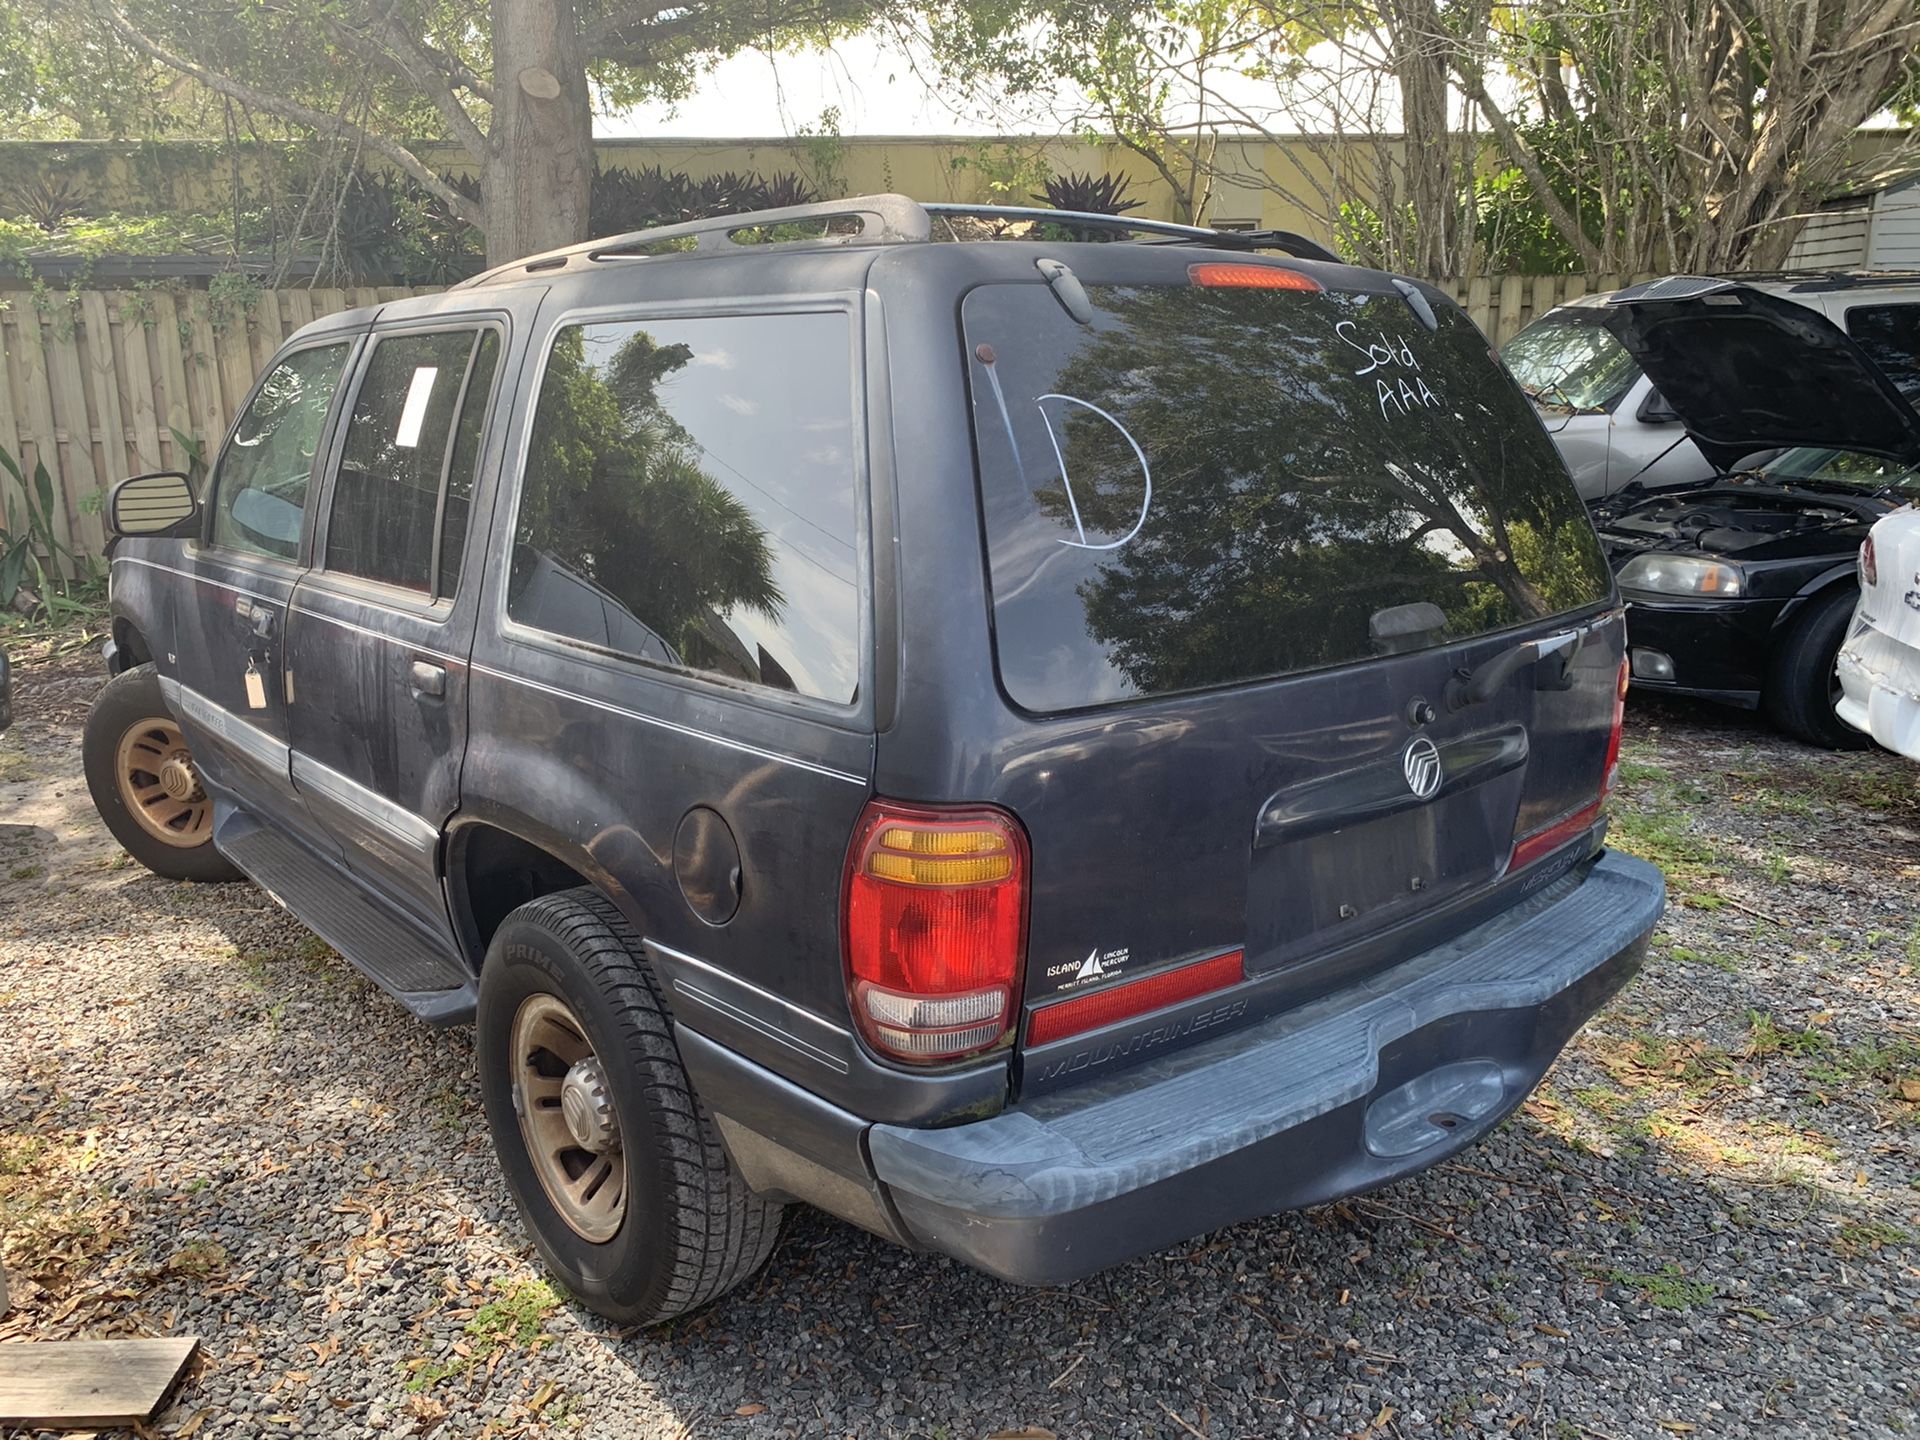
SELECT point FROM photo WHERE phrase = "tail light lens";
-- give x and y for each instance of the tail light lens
(1612, 769)
(935, 920)
(1543, 842)
(1869, 564)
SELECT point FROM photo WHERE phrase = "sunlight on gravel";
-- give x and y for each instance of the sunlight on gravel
(1708, 1218)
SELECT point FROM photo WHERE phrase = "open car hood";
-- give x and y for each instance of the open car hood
(1747, 371)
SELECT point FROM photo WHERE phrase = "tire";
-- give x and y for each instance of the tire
(141, 776)
(688, 1228)
(1801, 687)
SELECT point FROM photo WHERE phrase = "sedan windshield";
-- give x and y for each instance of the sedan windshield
(1810, 465)
(1570, 360)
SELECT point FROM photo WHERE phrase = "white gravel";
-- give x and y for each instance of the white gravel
(1705, 1223)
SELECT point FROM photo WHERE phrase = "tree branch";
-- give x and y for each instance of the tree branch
(393, 47)
(466, 209)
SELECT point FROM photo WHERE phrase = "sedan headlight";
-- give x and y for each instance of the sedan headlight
(1682, 575)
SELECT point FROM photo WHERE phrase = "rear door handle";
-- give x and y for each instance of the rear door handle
(428, 679)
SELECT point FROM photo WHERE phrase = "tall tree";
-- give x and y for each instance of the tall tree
(513, 84)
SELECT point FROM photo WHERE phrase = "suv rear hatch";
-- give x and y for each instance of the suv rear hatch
(1304, 620)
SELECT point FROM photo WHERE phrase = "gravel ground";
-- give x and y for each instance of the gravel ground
(1705, 1222)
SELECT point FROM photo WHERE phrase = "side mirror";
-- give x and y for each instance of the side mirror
(1654, 410)
(158, 504)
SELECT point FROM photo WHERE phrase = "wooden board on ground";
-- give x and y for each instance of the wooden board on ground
(79, 1384)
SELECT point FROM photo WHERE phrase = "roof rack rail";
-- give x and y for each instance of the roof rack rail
(1296, 245)
(881, 219)
(887, 219)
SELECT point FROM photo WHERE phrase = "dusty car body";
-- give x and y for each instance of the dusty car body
(1879, 663)
(1041, 749)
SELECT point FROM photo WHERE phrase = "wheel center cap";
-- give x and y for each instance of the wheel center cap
(178, 778)
(586, 1104)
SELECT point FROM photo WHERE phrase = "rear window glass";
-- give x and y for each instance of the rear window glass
(1209, 486)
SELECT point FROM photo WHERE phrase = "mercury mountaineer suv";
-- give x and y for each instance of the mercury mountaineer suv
(1040, 748)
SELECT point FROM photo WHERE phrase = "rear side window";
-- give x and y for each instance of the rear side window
(690, 498)
(1890, 334)
(1208, 486)
(415, 422)
(260, 491)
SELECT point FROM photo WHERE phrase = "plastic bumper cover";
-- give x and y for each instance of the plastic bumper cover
(1880, 688)
(1336, 1097)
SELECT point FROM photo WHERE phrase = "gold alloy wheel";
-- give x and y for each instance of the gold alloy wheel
(159, 785)
(567, 1119)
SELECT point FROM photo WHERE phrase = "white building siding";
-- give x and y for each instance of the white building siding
(1834, 239)
(1894, 235)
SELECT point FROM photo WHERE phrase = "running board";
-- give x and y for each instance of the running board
(428, 979)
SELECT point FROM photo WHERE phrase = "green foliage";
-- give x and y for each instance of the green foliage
(1089, 194)
(31, 552)
(625, 200)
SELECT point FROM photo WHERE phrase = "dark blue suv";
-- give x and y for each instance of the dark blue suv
(1040, 749)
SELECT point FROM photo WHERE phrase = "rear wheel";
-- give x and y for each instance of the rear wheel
(141, 774)
(1802, 688)
(616, 1166)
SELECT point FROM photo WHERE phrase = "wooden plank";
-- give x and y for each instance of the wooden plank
(104, 378)
(79, 474)
(142, 407)
(210, 410)
(328, 302)
(1576, 287)
(78, 1384)
(9, 423)
(1512, 288)
(1546, 291)
(1479, 306)
(175, 396)
(39, 435)
(299, 308)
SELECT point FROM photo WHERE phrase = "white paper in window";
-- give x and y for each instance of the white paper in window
(414, 413)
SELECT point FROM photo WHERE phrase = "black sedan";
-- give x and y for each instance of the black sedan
(1741, 590)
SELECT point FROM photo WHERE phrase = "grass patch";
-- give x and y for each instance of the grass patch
(1668, 1287)
(1767, 1036)
(1702, 957)
(1859, 1237)
(1666, 840)
(514, 1320)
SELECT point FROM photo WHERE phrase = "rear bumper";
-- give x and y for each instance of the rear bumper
(1880, 688)
(1336, 1097)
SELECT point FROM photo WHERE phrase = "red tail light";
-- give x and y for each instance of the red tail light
(1136, 997)
(1869, 565)
(1543, 842)
(935, 923)
(1619, 728)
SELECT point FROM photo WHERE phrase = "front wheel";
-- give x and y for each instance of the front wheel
(1802, 688)
(141, 774)
(617, 1168)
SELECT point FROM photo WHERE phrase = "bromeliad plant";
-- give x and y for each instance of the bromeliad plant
(30, 550)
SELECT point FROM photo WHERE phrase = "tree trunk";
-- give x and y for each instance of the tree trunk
(539, 168)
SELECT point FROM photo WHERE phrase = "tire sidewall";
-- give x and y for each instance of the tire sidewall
(628, 1274)
(125, 700)
(1809, 655)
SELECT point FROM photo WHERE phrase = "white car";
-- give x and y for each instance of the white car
(1879, 662)
(1613, 427)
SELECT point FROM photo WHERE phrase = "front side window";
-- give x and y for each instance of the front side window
(690, 499)
(409, 429)
(260, 487)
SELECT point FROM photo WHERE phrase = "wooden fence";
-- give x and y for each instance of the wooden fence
(94, 384)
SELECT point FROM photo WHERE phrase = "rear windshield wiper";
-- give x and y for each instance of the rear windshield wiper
(1476, 686)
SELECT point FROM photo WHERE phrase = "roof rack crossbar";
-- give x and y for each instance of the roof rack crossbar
(1296, 245)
